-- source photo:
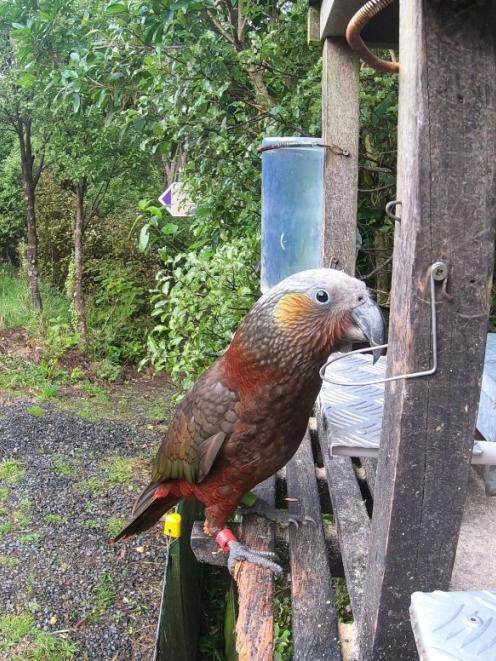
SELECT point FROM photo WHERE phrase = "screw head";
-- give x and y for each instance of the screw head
(439, 271)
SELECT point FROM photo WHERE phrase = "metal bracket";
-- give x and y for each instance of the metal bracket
(336, 149)
(438, 273)
(391, 209)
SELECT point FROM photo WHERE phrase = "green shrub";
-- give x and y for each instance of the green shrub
(199, 301)
(118, 315)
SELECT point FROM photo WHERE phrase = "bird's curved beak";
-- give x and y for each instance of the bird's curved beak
(368, 326)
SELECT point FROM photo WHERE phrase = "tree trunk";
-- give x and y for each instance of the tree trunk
(79, 305)
(29, 185)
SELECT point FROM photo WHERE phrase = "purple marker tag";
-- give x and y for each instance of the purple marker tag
(166, 197)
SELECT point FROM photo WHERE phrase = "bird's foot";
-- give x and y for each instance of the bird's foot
(239, 553)
(281, 517)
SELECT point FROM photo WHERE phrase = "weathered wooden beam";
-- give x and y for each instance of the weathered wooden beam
(446, 183)
(381, 32)
(340, 130)
(313, 26)
(255, 624)
(351, 518)
(314, 617)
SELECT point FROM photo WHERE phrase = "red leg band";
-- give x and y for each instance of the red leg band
(223, 538)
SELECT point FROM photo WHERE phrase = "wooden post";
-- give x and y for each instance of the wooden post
(340, 89)
(255, 625)
(446, 182)
(314, 617)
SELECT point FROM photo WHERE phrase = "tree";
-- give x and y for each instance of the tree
(203, 83)
(87, 154)
(21, 106)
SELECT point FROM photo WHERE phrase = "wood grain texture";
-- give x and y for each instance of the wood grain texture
(351, 518)
(255, 624)
(340, 89)
(313, 26)
(314, 617)
(446, 182)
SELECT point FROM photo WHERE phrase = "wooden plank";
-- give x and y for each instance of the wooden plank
(313, 26)
(382, 31)
(340, 128)
(446, 182)
(180, 610)
(351, 518)
(314, 617)
(255, 624)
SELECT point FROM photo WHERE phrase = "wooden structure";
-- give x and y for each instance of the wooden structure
(397, 525)
(446, 184)
(312, 555)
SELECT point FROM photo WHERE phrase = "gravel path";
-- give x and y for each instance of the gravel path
(65, 485)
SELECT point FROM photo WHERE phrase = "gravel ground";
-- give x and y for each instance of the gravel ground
(68, 482)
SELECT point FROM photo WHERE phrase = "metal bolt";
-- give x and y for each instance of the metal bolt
(439, 271)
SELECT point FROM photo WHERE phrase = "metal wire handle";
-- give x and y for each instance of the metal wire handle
(438, 273)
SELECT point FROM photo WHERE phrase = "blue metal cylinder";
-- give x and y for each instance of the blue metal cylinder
(292, 206)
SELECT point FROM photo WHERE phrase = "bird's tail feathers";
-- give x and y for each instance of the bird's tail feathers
(154, 501)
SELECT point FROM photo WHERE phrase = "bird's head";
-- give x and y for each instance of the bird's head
(309, 315)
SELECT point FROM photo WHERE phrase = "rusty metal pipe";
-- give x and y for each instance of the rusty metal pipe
(354, 39)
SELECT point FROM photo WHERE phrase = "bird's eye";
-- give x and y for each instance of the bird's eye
(321, 296)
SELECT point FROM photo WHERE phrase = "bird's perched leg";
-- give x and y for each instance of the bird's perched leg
(238, 552)
(215, 519)
(254, 505)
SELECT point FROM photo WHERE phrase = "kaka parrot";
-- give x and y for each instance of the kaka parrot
(247, 414)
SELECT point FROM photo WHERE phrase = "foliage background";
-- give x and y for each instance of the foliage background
(146, 93)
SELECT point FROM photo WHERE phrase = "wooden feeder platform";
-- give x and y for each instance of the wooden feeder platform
(398, 519)
(323, 478)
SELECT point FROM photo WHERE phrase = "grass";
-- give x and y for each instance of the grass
(115, 524)
(93, 486)
(36, 411)
(15, 306)
(5, 529)
(56, 519)
(53, 648)
(9, 561)
(21, 518)
(21, 637)
(62, 467)
(92, 524)
(50, 391)
(20, 375)
(16, 627)
(104, 593)
(4, 494)
(11, 471)
(342, 599)
(122, 470)
(30, 538)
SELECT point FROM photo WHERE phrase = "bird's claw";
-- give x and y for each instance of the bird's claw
(239, 552)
